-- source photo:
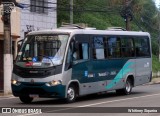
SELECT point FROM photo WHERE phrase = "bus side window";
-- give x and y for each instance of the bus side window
(98, 47)
(142, 46)
(127, 47)
(114, 47)
(26, 52)
(69, 56)
(68, 63)
(81, 52)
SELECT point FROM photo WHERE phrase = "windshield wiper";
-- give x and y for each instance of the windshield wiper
(47, 57)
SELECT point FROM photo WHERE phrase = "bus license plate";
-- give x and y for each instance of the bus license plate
(34, 95)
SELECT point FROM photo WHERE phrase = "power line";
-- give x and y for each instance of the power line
(137, 23)
(78, 8)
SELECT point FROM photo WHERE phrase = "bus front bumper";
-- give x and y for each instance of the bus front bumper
(39, 89)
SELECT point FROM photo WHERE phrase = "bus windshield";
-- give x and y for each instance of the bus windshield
(42, 51)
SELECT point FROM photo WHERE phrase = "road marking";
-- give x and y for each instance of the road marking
(119, 100)
(54, 111)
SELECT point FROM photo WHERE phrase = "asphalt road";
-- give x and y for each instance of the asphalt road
(142, 97)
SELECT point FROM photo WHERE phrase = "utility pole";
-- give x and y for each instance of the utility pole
(8, 6)
(8, 61)
(71, 11)
(159, 32)
(127, 17)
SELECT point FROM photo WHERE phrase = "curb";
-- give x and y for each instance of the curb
(1, 96)
(5, 95)
(158, 82)
(152, 83)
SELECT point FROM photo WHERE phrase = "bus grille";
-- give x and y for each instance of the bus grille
(33, 91)
(33, 73)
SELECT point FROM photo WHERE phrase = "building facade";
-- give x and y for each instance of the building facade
(41, 14)
(36, 15)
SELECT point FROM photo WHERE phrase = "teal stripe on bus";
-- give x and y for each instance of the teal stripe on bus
(125, 70)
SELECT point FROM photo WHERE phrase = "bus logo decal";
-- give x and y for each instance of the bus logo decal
(113, 73)
(86, 73)
(104, 74)
(91, 75)
(34, 59)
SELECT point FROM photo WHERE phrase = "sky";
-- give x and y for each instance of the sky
(157, 3)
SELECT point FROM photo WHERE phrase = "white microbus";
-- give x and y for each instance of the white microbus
(71, 62)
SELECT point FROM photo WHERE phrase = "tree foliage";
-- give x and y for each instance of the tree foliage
(106, 13)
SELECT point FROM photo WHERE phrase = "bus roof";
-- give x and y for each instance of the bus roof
(88, 31)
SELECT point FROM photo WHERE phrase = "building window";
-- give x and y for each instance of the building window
(39, 6)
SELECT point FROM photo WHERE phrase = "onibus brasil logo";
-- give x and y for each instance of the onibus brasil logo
(8, 7)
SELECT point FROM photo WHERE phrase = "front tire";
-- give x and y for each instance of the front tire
(26, 99)
(71, 94)
(127, 90)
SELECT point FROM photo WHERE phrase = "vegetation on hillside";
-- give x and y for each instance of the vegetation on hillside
(107, 13)
(155, 64)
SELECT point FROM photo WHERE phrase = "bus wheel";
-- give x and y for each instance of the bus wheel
(71, 94)
(127, 90)
(26, 99)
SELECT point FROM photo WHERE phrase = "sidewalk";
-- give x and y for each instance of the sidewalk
(155, 80)
(8, 95)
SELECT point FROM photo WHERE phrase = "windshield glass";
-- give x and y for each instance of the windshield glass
(42, 51)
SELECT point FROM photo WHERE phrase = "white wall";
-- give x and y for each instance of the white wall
(38, 21)
(15, 22)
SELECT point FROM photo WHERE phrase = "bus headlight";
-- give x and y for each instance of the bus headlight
(15, 82)
(54, 83)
